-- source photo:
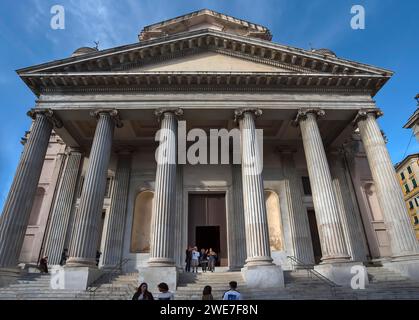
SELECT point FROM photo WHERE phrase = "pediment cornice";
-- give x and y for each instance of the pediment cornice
(115, 62)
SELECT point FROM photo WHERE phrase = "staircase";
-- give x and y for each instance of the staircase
(121, 287)
(299, 284)
(35, 286)
(190, 285)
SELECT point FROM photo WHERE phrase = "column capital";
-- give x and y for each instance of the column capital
(363, 114)
(178, 112)
(113, 113)
(239, 113)
(303, 112)
(48, 113)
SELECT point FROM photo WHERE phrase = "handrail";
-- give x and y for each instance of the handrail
(107, 273)
(310, 270)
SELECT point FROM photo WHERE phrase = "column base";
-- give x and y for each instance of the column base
(347, 274)
(161, 262)
(81, 262)
(9, 276)
(263, 276)
(75, 278)
(154, 275)
(406, 265)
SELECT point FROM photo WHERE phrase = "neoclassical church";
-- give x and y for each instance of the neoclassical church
(319, 189)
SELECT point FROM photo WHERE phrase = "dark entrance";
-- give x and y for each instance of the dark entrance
(208, 237)
(315, 239)
(207, 226)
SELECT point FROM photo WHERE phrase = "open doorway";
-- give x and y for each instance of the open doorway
(207, 227)
(208, 237)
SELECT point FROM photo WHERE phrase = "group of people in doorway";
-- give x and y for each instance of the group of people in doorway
(164, 293)
(206, 258)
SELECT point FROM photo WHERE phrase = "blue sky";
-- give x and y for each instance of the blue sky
(389, 40)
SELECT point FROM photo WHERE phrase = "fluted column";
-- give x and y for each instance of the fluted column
(256, 221)
(327, 214)
(389, 193)
(19, 202)
(164, 205)
(86, 225)
(54, 244)
(112, 254)
(300, 228)
(348, 212)
(237, 223)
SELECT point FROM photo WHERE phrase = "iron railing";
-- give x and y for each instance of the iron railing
(105, 277)
(312, 273)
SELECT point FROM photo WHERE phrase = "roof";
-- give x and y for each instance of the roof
(403, 162)
(412, 120)
(204, 17)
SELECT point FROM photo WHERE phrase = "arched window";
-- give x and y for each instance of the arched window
(36, 208)
(274, 220)
(140, 236)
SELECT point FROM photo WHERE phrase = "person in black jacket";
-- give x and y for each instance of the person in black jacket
(143, 293)
(188, 259)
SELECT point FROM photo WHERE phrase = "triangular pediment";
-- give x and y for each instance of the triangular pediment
(205, 56)
(207, 61)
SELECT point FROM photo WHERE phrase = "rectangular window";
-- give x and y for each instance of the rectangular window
(406, 187)
(306, 186)
(417, 202)
(409, 169)
(416, 219)
(415, 185)
(410, 205)
(402, 175)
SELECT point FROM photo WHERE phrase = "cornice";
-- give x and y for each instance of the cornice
(205, 37)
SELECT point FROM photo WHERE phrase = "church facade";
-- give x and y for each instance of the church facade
(96, 179)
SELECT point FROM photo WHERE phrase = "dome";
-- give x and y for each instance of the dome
(83, 50)
(324, 51)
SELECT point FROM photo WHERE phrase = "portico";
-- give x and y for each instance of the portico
(107, 107)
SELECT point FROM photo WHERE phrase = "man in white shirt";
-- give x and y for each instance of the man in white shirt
(232, 294)
(195, 259)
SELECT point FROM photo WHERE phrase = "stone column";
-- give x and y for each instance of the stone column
(237, 224)
(161, 263)
(300, 228)
(259, 270)
(19, 202)
(86, 224)
(352, 230)
(335, 259)
(164, 206)
(112, 254)
(54, 244)
(404, 245)
(327, 214)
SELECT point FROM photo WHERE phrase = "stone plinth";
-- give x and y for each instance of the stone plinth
(263, 276)
(344, 273)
